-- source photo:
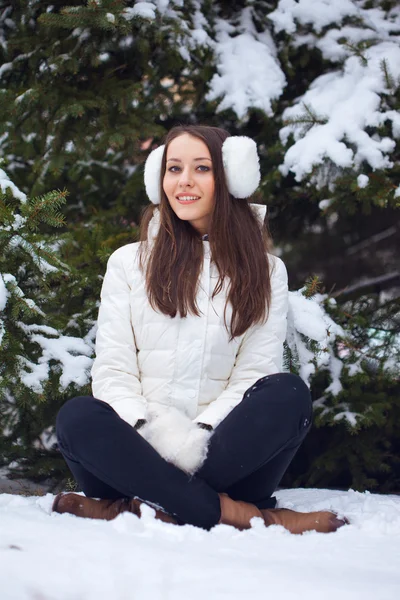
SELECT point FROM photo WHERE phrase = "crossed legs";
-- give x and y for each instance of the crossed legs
(248, 453)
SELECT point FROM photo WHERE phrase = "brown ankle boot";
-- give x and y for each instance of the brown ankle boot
(81, 506)
(297, 522)
(237, 513)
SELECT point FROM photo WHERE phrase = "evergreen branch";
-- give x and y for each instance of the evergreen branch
(358, 49)
(22, 306)
(45, 209)
(389, 79)
(291, 360)
(383, 281)
(313, 117)
(312, 286)
(7, 216)
(307, 119)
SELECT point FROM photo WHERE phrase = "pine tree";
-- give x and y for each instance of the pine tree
(40, 366)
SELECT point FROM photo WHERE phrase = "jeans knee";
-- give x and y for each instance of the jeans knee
(72, 412)
(294, 391)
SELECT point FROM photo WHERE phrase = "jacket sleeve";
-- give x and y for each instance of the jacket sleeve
(115, 372)
(260, 352)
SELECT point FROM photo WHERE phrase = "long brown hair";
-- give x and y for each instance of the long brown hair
(238, 245)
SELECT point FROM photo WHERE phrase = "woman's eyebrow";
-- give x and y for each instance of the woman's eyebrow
(179, 160)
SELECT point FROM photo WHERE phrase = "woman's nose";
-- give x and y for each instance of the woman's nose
(185, 178)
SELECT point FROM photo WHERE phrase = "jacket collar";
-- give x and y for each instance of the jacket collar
(260, 210)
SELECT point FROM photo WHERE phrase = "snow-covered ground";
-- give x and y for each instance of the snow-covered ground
(45, 556)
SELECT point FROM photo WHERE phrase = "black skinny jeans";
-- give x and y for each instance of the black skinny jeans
(248, 454)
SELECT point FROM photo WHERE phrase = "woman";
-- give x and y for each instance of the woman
(191, 413)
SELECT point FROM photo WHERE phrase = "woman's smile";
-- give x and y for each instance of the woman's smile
(186, 199)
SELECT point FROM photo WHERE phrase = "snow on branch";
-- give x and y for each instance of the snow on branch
(42, 349)
(311, 338)
(319, 14)
(71, 354)
(248, 72)
(311, 335)
(350, 99)
(6, 183)
(145, 10)
(338, 118)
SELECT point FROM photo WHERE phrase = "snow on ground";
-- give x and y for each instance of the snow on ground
(45, 556)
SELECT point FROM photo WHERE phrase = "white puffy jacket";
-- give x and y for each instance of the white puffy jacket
(177, 372)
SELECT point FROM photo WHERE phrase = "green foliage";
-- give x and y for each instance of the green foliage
(337, 454)
(32, 276)
(307, 119)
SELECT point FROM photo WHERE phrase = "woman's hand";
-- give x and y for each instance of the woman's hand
(205, 426)
(193, 451)
(175, 437)
(139, 423)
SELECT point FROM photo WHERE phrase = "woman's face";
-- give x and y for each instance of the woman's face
(189, 181)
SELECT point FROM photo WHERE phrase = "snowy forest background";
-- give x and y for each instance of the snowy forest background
(89, 88)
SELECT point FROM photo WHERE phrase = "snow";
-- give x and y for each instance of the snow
(6, 183)
(362, 181)
(335, 386)
(54, 353)
(71, 353)
(61, 557)
(3, 301)
(308, 322)
(44, 266)
(309, 317)
(3, 293)
(248, 72)
(320, 14)
(324, 204)
(349, 102)
(145, 10)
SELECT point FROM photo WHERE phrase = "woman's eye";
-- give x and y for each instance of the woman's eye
(201, 168)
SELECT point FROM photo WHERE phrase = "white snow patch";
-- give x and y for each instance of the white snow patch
(320, 14)
(47, 555)
(69, 146)
(308, 320)
(72, 354)
(145, 10)
(249, 74)
(350, 104)
(362, 181)
(323, 204)
(6, 183)
(3, 293)
(349, 101)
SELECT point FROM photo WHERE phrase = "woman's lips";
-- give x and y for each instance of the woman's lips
(182, 201)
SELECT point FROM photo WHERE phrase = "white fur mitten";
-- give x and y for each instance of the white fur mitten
(175, 437)
(194, 450)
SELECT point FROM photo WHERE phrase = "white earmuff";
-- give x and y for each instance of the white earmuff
(241, 165)
(152, 174)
